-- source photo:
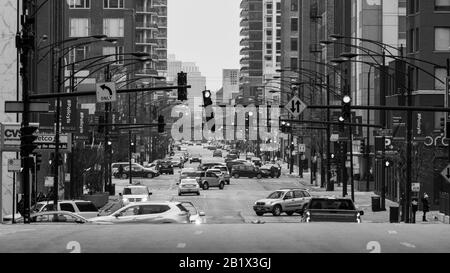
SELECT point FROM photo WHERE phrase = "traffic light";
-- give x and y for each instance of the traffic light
(362, 147)
(182, 91)
(27, 139)
(447, 130)
(207, 101)
(283, 127)
(101, 126)
(161, 124)
(38, 161)
(443, 125)
(346, 109)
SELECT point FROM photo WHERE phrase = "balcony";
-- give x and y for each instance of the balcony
(244, 32)
(149, 41)
(244, 42)
(244, 51)
(244, 23)
(141, 10)
(244, 61)
(147, 72)
(160, 3)
(244, 4)
(142, 25)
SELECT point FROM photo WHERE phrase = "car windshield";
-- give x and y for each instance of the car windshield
(134, 191)
(189, 174)
(332, 204)
(37, 207)
(276, 195)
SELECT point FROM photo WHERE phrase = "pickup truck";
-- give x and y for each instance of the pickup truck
(331, 209)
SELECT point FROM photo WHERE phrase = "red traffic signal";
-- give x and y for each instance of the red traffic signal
(182, 91)
(27, 139)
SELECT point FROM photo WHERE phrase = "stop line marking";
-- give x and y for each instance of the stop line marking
(392, 232)
(408, 245)
(181, 245)
(198, 232)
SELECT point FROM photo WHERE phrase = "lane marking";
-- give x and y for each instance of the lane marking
(198, 232)
(406, 244)
(181, 245)
(392, 232)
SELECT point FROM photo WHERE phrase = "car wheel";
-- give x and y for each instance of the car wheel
(179, 194)
(260, 213)
(205, 186)
(236, 175)
(150, 175)
(221, 185)
(289, 213)
(251, 177)
(272, 176)
(124, 176)
(259, 176)
(276, 211)
(198, 193)
(228, 182)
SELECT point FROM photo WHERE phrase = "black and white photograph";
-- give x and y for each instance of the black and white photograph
(225, 133)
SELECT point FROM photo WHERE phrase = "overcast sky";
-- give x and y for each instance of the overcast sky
(205, 32)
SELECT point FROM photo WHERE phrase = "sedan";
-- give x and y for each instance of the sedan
(188, 186)
(59, 217)
(148, 213)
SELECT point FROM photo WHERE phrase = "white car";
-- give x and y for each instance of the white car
(148, 213)
(188, 186)
(135, 193)
(83, 208)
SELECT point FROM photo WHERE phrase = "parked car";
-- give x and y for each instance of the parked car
(271, 170)
(139, 171)
(209, 179)
(331, 209)
(232, 163)
(59, 217)
(230, 157)
(217, 153)
(148, 213)
(197, 217)
(225, 172)
(289, 201)
(165, 167)
(249, 156)
(256, 161)
(188, 186)
(210, 165)
(246, 171)
(234, 151)
(195, 158)
(177, 163)
(115, 168)
(135, 193)
(86, 209)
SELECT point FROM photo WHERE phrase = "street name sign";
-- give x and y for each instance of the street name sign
(296, 106)
(106, 92)
(385, 132)
(446, 173)
(18, 107)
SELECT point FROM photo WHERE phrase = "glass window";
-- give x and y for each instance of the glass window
(294, 24)
(288, 195)
(298, 194)
(134, 210)
(79, 4)
(294, 5)
(110, 50)
(79, 27)
(67, 207)
(441, 74)
(78, 54)
(294, 44)
(113, 27)
(86, 207)
(294, 62)
(442, 5)
(113, 4)
(153, 209)
(442, 38)
(57, 217)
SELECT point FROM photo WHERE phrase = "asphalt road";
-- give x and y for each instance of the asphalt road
(232, 205)
(226, 238)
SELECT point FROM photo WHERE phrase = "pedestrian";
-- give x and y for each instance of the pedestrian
(120, 171)
(425, 207)
(414, 208)
(121, 204)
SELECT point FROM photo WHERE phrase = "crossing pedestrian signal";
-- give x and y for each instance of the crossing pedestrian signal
(362, 148)
(207, 101)
(443, 125)
(346, 109)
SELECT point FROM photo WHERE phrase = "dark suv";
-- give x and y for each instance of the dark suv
(165, 167)
(244, 170)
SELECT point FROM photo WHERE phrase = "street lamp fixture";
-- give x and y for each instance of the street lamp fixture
(348, 55)
(337, 61)
(347, 99)
(336, 37)
(325, 42)
(341, 119)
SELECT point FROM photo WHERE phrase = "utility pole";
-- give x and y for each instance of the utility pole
(408, 150)
(330, 184)
(108, 185)
(25, 43)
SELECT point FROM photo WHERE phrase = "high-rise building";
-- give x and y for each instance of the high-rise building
(230, 85)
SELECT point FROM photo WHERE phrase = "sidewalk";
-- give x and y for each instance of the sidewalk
(363, 200)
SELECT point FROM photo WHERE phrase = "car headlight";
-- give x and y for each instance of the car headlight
(144, 199)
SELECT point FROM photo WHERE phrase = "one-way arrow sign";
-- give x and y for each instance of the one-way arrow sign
(106, 92)
(446, 173)
(296, 106)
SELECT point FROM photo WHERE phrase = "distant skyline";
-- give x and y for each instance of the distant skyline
(205, 32)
